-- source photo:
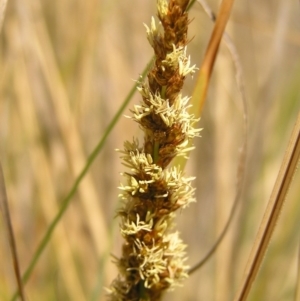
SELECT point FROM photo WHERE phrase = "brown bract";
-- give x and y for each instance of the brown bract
(175, 25)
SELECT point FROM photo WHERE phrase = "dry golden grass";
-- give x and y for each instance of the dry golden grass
(66, 67)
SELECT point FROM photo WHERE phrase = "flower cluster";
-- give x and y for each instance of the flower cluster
(153, 258)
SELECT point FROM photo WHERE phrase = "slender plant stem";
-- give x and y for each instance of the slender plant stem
(243, 154)
(283, 181)
(65, 203)
(10, 232)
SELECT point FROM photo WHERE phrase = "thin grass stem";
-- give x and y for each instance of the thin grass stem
(65, 203)
(243, 153)
(10, 232)
(277, 198)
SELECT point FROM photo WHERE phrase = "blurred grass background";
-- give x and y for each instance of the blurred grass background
(66, 67)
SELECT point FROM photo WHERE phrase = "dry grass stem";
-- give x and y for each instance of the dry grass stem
(210, 55)
(69, 131)
(240, 177)
(3, 4)
(10, 233)
(277, 198)
(38, 157)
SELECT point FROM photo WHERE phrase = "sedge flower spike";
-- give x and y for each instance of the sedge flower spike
(153, 257)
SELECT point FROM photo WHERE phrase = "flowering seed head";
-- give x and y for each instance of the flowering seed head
(153, 258)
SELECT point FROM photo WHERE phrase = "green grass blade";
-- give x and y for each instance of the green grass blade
(65, 203)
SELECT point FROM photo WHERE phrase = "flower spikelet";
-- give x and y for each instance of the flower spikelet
(153, 257)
